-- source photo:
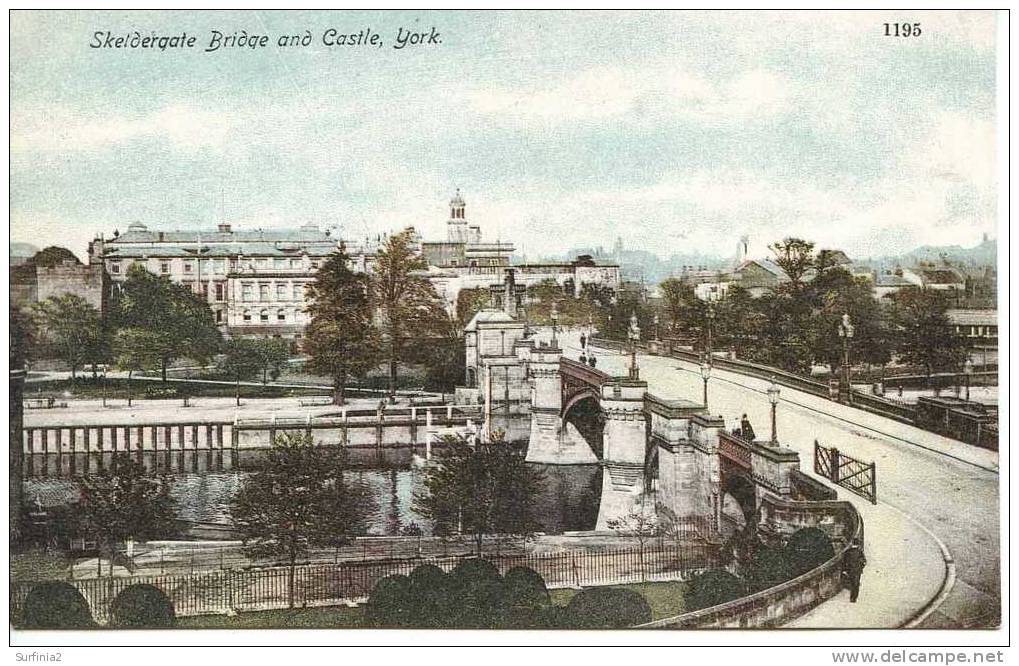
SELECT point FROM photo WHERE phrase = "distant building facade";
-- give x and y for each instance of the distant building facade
(466, 261)
(254, 281)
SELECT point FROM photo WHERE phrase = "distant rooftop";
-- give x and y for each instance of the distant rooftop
(138, 232)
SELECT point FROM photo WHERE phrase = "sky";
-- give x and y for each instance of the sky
(677, 132)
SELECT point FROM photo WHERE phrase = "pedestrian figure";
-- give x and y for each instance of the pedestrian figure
(583, 358)
(853, 562)
(746, 430)
(583, 341)
(592, 360)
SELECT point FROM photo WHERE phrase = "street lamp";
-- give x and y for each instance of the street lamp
(634, 337)
(967, 369)
(554, 316)
(846, 333)
(706, 375)
(773, 393)
(710, 315)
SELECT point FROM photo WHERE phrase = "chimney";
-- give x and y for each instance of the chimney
(224, 228)
(509, 298)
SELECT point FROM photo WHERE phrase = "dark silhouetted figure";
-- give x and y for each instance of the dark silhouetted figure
(583, 341)
(746, 430)
(592, 361)
(853, 562)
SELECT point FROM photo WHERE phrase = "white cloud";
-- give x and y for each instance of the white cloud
(58, 129)
(610, 93)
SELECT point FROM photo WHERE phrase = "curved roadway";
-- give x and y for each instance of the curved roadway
(938, 499)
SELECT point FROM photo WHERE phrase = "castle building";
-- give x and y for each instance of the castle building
(254, 281)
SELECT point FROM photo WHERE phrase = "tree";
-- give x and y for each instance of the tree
(833, 293)
(794, 256)
(75, 329)
(927, 338)
(299, 500)
(180, 321)
(408, 305)
(341, 339)
(241, 359)
(444, 357)
(469, 302)
(123, 502)
(479, 490)
(641, 524)
(273, 354)
(136, 350)
(684, 312)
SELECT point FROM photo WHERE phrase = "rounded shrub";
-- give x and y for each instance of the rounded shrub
(390, 602)
(808, 548)
(712, 588)
(525, 598)
(56, 605)
(141, 606)
(429, 597)
(606, 608)
(476, 595)
(769, 566)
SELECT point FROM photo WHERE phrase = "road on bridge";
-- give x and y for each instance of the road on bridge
(937, 497)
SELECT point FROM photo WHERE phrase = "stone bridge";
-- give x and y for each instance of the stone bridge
(581, 415)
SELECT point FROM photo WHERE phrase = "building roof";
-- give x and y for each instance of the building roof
(961, 317)
(943, 275)
(891, 280)
(140, 233)
(489, 316)
(278, 249)
(766, 264)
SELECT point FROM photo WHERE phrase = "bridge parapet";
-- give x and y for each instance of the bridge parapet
(769, 465)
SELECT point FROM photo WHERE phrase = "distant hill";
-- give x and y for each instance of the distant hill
(641, 264)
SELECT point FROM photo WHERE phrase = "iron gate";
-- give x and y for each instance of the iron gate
(855, 475)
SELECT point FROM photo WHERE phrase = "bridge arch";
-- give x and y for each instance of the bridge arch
(584, 413)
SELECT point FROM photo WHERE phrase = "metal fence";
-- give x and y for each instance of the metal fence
(324, 585)
(846, 471)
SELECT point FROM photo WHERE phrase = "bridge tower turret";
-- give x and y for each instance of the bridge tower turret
(625, 449)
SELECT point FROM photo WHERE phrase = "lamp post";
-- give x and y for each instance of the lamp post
(554, 316)
(967, 369)
(634, 337)
(773, 393)
(706, 375)
(710, 316)
(846, 333)
(656, 327)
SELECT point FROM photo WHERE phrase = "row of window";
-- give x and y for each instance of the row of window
(220, 266)
(284, 292)
(264, 316)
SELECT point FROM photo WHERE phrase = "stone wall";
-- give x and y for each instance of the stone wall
(777, 605)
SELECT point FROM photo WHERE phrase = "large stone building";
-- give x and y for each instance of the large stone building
(254, 281)
(466, 261)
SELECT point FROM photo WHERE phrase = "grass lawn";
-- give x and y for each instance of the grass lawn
(328, 617)
(665, 599)
(36, 564)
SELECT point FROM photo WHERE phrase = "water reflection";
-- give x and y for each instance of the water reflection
(568, 500)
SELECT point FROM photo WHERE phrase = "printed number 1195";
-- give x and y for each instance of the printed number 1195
(902, 29)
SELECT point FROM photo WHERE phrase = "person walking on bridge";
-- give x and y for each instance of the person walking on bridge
(853, 562)
(746, 430)
(583, 341)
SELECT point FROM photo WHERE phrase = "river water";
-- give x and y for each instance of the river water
(568, 500)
